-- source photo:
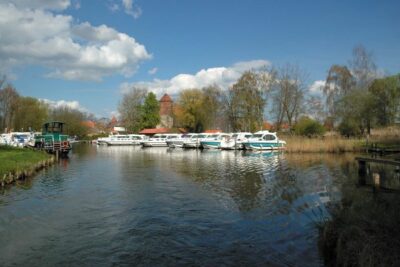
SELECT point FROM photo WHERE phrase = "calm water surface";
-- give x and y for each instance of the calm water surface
(108, 206)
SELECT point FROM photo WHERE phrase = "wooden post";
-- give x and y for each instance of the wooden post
(377, 179)
(362, 171)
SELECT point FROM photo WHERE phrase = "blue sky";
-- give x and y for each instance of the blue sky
(89, 52)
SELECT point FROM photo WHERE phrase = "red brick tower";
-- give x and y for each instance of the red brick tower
(166, 119)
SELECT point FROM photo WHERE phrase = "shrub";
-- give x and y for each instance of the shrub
(309, 127)
(349, 128)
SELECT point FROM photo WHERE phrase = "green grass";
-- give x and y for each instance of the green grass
(19, 159)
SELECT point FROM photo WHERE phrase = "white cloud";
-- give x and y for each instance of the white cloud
(69, 50)
(64, 103)
(316, 87)
(132, 8)
(41, 4)
(220, 76)
(153, 71)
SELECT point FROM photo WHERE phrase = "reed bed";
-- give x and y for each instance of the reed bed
(333, 144)
(386, 137)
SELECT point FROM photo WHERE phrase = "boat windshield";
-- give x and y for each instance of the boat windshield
(257, 135)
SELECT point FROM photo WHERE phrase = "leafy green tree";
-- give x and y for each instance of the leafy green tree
(386, 97)
(356, 108)
(150, 111)
(308, 127)
(30, 114)
(130, 109)
(191, 113)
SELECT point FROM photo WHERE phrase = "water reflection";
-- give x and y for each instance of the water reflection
(157, 206)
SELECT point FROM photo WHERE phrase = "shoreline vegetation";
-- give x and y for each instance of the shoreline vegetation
(19, 163)
(362, 231)
(383, 139)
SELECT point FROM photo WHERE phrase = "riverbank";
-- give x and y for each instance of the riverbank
(19, 163)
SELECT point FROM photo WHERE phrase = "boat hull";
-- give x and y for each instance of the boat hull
(154, 144)
(264, 146)
(210, 144)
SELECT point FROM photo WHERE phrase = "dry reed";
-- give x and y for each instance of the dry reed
(299, 144)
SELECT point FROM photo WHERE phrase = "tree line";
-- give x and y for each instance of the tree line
(354, 99)
(21, 113)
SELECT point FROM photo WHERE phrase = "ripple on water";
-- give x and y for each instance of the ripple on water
(158, 207)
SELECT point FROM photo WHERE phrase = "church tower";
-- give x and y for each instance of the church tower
(166, 118)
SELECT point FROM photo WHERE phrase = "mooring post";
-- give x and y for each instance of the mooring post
(376, 178)
(362, 171)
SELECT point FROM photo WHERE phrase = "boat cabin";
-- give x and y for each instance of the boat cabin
(53, 127)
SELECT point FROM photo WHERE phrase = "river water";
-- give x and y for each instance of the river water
(106, 206)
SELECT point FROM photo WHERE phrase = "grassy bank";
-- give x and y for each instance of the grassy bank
(17, 163)
(300, 144)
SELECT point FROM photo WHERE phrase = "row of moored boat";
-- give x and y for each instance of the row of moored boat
(262, 140)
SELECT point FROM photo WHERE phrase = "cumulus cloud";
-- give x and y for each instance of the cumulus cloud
(220, 76)
(34, 35)
(64, 103)
(131, 8)
(316, 87)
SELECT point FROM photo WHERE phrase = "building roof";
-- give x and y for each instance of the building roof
(155, 131)
(166, 98)
(89, 124)
(212, 131)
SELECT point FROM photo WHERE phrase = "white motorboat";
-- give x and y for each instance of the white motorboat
(178, 142)
(214, 140)
(235, 141)
(194, 141)
(122, 139)
(17, 139)
(5, 139)
(264, 140)
(159, 140)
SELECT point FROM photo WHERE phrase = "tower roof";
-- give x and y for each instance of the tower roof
(166, 98)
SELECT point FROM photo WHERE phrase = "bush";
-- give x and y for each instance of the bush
(349, 128)
(309, 127)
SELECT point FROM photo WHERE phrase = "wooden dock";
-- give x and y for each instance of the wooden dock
(376, 178)
(362, 160)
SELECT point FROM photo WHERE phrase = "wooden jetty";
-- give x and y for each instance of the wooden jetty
(362, 169)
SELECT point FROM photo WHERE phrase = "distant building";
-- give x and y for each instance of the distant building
(166, 115)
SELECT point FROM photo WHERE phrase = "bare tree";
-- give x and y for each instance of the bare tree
(338, 83)
(8, 105)
(289, 94)
(315, 108)
(363, 67)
